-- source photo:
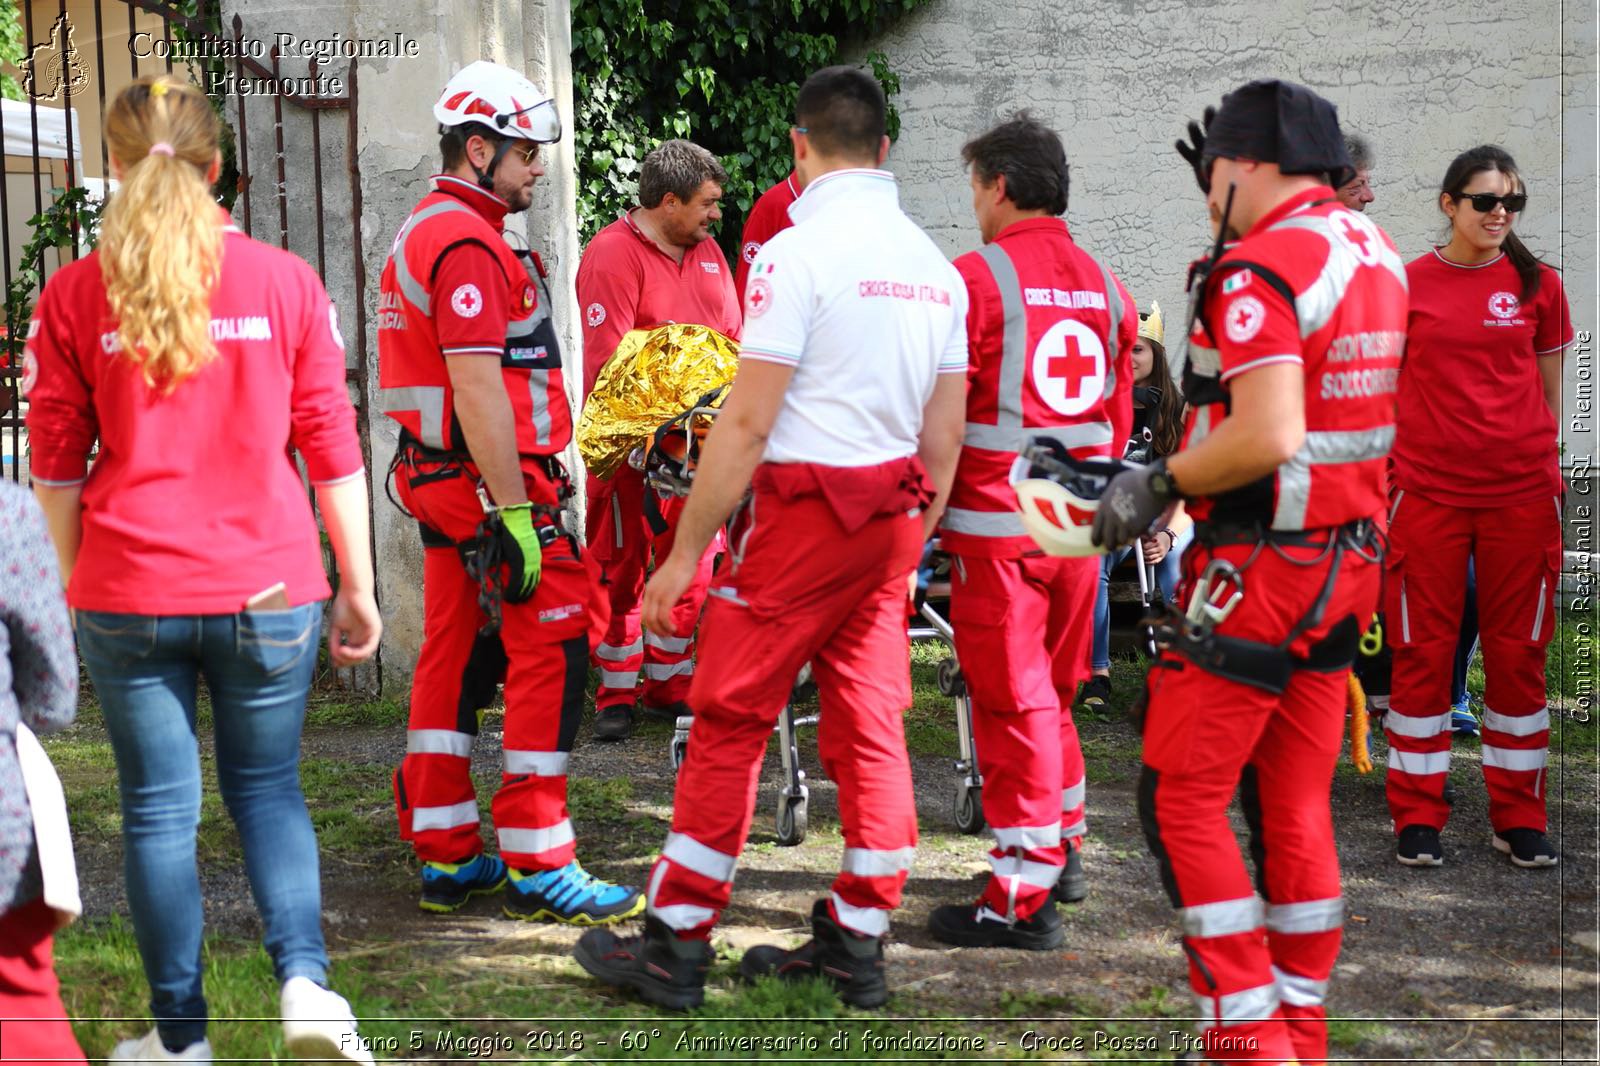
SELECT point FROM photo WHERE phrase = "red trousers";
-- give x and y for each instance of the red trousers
(802, 588)
(33, 1021)
(1517, 552)
(542, 655)
(621, 539)
(1023, 628)
(1259, 971)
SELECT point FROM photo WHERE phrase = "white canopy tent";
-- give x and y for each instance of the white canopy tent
(18, 120)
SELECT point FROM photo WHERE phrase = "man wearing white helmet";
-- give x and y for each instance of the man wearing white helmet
(470, 368)
(1050, 331)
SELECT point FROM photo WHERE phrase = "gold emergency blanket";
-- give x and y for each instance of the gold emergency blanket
(653, 376)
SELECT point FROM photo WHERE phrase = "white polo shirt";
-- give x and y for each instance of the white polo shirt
(867, 310)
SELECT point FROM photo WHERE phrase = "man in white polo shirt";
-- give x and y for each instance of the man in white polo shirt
(846, 420)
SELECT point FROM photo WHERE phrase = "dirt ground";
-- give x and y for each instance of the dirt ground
(1475, 961)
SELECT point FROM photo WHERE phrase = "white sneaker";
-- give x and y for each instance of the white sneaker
(318, 1024)
(148, 1048)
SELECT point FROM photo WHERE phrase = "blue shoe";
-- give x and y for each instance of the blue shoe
(448, 885)
(1462, 721)
(570, 896)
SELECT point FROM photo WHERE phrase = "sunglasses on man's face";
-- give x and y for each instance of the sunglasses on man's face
(1484, 202)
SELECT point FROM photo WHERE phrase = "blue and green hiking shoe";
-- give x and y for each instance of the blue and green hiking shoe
(1463, 722)
(571, 896)
(448, 885)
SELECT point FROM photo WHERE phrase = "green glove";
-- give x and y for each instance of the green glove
(519, 545)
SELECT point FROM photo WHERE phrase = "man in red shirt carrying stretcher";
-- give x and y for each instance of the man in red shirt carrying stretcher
(847, 409)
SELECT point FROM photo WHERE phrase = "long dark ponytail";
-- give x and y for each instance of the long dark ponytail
(1493, 157)
(1166, 421)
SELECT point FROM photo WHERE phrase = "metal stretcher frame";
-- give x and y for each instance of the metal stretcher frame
(793, 793)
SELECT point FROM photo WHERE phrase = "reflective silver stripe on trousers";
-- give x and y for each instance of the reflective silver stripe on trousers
(868, 921)
(463, 813)
(983, 523)
(533, 841)
(1323, 446)
(1315, 307)
(1072, 796)
(1418, 728)
(426, 400)
(1239, 1008)
(706, 861)
(1517, 725)
(1299, 991)
(1513, 758)
(674, 645)
(1027, 872)
(1309, 916)
(660, 671)
(1071, 830)
(536, 763)
(413, 290)
(438, 742)
(615, 653)
(619, 678)
(1538, 617)
(675, 915)
(877, 862)
(1013, 438)
(1028, 837)
(1421, 763)
(1222, 918)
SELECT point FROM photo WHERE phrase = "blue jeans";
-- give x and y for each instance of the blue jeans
(1467, 644)
(258, 667)
(1167, 577)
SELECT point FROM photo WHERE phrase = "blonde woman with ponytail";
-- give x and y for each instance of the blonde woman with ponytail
(197, 359)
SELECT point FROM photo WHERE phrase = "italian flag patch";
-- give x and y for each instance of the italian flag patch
(1235, 281)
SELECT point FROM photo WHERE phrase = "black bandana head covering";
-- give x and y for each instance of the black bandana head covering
(1272, 121)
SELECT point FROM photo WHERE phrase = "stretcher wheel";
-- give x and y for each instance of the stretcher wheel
(792, 821)
(951, 683)
(680, 748)
(969, 809)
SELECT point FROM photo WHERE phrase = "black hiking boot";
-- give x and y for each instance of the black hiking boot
(614, 722)
(852, 964)
(664, 969)
(1094, 697)
(1072, 886)
(976, 926)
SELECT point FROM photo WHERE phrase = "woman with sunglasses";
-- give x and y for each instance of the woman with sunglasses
(1481, 385)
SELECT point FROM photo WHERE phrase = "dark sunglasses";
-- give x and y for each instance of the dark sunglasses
(1484, 202)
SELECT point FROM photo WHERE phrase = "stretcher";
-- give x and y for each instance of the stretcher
(790, 816)
(669, 464)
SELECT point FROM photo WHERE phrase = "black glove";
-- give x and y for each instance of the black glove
(1131, 503)
(1195, 153)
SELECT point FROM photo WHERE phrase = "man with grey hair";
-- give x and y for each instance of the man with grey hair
(1356, 193)
(655, 264)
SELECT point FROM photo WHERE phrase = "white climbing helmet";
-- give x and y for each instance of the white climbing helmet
(501, 99)
(1057, 495)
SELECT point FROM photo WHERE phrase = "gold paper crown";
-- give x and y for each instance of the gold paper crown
(1150, 325)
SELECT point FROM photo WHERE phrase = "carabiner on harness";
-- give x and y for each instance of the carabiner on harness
(1216, 593)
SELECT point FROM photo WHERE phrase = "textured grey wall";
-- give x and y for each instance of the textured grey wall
(1421, 80)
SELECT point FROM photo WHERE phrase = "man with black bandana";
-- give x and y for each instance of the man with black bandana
(1290, 377)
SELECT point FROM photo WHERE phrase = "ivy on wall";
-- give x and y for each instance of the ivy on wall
(12, 47)
(722, 73)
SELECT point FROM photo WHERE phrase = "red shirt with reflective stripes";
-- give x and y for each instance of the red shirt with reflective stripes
(453, 286)
(625, 282)
(1470, 385)
(194, 504)
(1065, 375)
(1345, 329)
(768, 218)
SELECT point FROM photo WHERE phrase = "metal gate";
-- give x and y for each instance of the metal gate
(294, 204)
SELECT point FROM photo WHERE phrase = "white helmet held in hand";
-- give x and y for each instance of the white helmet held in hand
(502, 100)
(1057, 495)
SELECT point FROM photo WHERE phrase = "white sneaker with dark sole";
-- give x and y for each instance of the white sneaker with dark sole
(318, 1024)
